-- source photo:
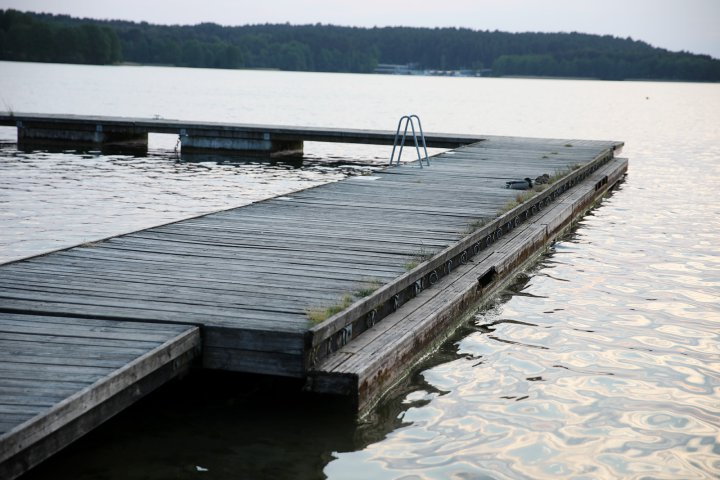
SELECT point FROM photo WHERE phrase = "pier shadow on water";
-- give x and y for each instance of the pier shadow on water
(213, 424)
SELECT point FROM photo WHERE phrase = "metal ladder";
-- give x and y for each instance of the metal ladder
(410, 121)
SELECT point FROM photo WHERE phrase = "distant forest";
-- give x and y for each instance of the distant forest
(328, 48)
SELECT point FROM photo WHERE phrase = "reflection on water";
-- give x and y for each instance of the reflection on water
(603, 361)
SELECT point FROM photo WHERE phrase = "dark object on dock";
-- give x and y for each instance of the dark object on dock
(525, 184)
(542, 179)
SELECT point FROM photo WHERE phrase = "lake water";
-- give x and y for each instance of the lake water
(602, 361)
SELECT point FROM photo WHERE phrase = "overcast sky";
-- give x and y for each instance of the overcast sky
(692, 25)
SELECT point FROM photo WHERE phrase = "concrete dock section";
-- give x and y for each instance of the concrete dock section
(84, 130)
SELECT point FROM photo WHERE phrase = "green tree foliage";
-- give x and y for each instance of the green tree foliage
(24, 37)
(328, 48)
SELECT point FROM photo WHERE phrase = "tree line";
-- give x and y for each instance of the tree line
(23, 37)
(329, 48)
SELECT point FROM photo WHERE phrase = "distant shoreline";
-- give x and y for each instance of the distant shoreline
(508, 77)
(329, 48)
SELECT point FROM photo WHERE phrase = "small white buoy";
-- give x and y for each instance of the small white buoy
(200, 469)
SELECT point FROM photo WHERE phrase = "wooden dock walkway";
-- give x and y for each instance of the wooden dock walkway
(313, 284)
(62, 376)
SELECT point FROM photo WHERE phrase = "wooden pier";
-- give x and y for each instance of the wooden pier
(344, 285)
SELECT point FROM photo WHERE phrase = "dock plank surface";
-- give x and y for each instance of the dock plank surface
(61, 376)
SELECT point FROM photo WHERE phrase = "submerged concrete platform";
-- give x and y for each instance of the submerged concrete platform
(344, 285)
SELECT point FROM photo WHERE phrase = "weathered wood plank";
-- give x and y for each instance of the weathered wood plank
(49, 386)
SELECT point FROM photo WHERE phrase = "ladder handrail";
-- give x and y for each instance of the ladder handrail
(422, 135)
(409, 122)
(397, 131)
(402, 144)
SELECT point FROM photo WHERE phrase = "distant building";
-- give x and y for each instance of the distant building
(393, 69)
(412, 69)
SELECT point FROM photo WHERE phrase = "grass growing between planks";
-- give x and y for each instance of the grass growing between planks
(90, 244)
(523, 197)
(320, 314)
(474, 225)
(419, 257)
(368, 288)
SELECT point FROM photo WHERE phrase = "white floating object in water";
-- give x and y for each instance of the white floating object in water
(200, 469)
